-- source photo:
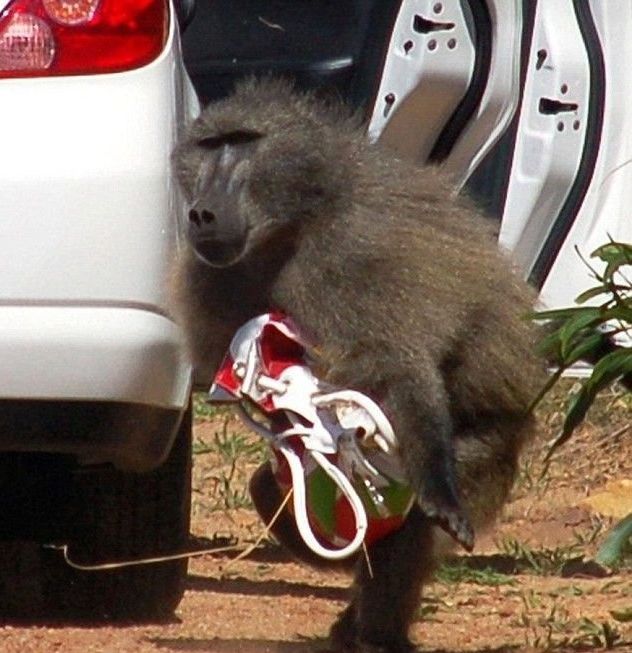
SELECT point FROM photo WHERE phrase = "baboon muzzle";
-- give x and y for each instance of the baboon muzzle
(215, 230)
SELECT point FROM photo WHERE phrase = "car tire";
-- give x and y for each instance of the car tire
(117, 516)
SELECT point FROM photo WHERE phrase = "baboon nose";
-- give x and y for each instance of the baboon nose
(198, 217)
(194, 217)
(207, 216)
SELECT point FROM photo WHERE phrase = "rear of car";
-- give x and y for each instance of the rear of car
(94, 390)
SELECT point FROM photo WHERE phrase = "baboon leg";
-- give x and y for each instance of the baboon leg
(386, 595)
(267, 497)
(487, 462)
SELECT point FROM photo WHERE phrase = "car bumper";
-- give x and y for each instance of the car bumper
(91, 365)
(87, 353)
(104, 384)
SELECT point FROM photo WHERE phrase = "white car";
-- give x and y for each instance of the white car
(94, 390)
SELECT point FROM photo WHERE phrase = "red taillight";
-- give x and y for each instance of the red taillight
(80, 37)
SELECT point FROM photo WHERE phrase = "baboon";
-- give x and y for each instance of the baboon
(401, 288)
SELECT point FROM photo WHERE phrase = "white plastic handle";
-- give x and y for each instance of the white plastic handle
(386, 437)
(299, 499)
(300, 503)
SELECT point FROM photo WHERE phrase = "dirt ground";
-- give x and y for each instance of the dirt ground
(529, 587)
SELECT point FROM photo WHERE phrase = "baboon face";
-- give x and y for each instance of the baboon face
(249, 188)
(218, 227)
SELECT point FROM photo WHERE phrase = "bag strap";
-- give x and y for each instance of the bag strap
(299, 500)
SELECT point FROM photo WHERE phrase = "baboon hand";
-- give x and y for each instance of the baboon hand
(439, 502)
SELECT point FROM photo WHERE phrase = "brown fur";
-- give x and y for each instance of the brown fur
(402, 289)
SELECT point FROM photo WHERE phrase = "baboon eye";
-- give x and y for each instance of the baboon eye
(238, 137)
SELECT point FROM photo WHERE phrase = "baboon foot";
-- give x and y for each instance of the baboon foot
(345, 638)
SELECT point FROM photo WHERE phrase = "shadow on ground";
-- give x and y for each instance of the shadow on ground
(249, 587)
(217, 645)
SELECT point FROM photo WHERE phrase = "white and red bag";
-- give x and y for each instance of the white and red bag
(334, 447)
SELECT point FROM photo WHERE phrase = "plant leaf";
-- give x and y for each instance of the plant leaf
(618, 312)
(556, 313)
(611, 367)
(589, 344)
(595, 291)
(613, 251)
(608, 369)
(616, 541)
(615, 255)
(588, 317)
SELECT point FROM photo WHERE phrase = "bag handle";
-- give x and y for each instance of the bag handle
(299, 499)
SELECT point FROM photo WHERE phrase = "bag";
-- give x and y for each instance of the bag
(335, 448)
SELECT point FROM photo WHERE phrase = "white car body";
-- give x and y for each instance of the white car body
(567, 187)
(89, 225)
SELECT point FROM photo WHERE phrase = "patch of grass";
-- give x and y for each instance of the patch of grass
(548, 627)
(601, 634)
(544, 627)
(608, 411)
(235, 447)
(531, 477)
(588, 537)
(426, 611)
(542, 562)
(624, 616)
(611, 587)
(568, 591)
(230, 455)
(456, 572)
(202, 410)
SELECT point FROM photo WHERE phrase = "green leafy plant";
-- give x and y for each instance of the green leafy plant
(580, 332)
(598, 634)
(549, 627)
(587, 332)
(231, 452)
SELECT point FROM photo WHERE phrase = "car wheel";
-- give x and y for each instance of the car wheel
(117, 516)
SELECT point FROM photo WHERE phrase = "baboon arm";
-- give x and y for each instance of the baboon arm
(418, 408)
(414, 398)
